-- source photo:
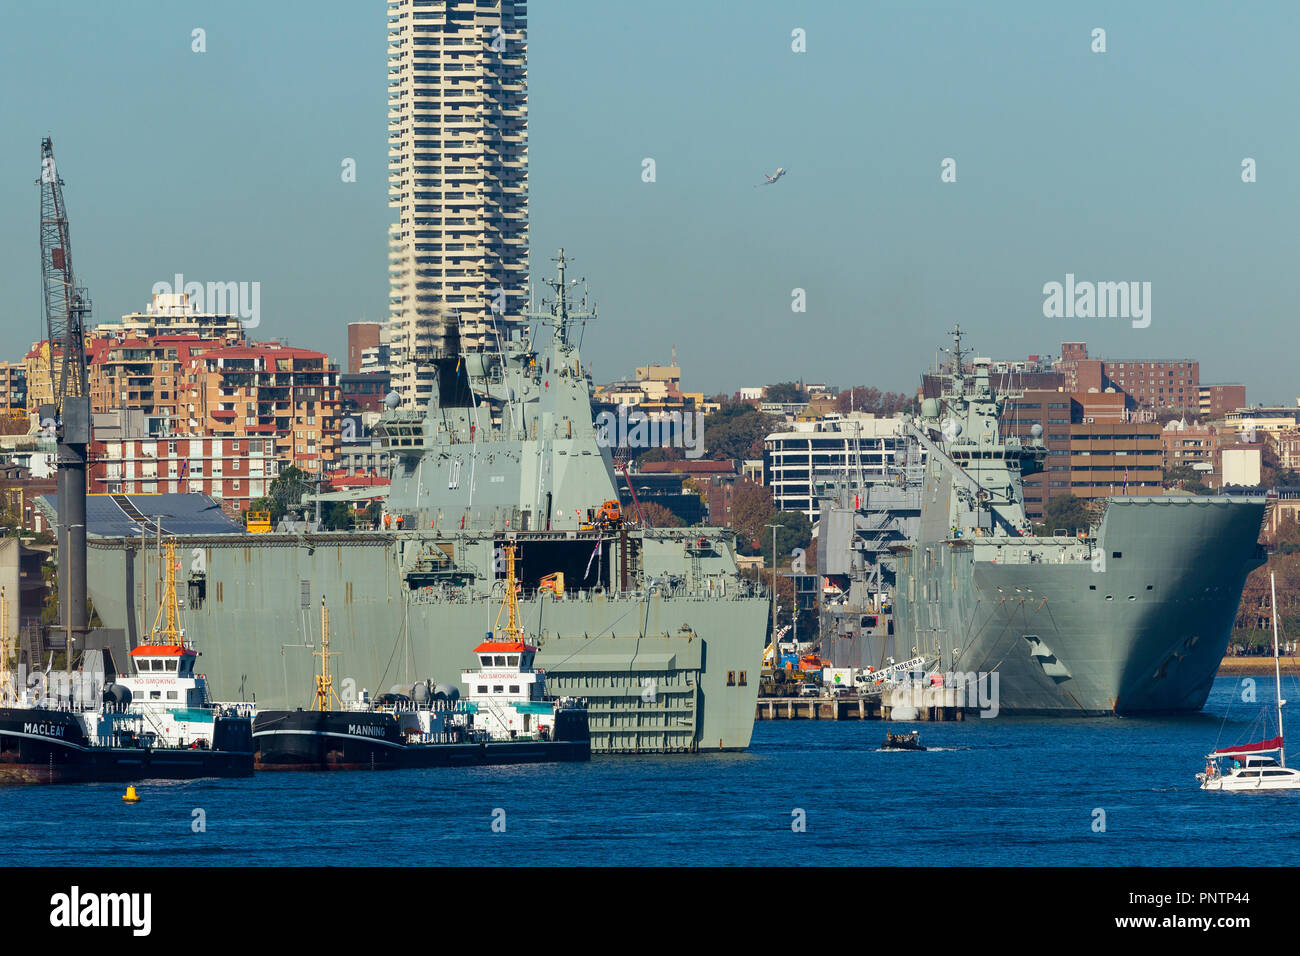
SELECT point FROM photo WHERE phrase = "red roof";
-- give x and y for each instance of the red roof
(503, 647)
(162, 650)
(339, 480)
(702, 466)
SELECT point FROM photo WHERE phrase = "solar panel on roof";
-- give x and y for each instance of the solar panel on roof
(116, 516)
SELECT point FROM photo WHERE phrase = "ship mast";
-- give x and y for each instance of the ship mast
(7, 690)
(325, 680)
(514, 632)
(560, 313)
(166, 627)
(958, 375)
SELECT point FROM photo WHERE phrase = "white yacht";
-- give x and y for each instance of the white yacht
(1245, 766)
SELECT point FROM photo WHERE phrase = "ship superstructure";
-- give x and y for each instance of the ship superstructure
(1132, 616)
(655, 627)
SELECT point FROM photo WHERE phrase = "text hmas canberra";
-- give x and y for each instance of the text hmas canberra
(1131, 618)
(655, 628)
(507, 719)
(155, 723)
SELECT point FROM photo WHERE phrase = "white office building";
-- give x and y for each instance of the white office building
(858, 447)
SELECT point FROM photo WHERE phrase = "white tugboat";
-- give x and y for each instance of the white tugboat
(1245, 766)
(155, 723)
(507, 694)
(506, 720)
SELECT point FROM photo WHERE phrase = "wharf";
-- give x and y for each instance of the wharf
(1255, 665)
(847, 708)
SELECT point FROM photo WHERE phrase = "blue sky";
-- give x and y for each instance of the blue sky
(1123, 165)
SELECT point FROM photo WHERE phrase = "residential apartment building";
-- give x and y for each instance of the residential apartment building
(1217, 400)
(1094, 450)
(13, 390)
(458, 178)
(271, 391)
(361, 336)
(858, 446)
(235, 471)
(1192, 446)
(175, 314)
(1152, 384)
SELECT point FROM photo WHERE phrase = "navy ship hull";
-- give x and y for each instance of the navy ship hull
(1138, 629)
(310, 740)
(42, 745)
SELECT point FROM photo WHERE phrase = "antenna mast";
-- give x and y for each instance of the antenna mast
(325, 680)
(166, 625)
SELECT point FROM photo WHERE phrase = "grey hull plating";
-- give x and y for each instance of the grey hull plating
(661, 673)
(1140, 628)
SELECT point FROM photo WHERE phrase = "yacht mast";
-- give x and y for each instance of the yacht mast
(1277, 669)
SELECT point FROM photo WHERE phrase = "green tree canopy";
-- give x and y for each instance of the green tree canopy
(794, 531)
(1067, 513)
(737, 431)
(786, 392)
(285, 493)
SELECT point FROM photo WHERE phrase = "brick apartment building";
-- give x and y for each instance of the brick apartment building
(232, 470)
(1093, 449)
(287, 395)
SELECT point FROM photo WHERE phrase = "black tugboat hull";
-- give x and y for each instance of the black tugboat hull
(48, 746)
(342, 740)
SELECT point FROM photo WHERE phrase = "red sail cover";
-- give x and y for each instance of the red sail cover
(1273, 744)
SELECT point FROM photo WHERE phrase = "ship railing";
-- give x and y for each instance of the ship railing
(239, 708)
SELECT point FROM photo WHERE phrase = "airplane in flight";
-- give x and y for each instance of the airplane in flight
(773, 178)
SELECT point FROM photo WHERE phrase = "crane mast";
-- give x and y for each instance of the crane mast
(67, 417)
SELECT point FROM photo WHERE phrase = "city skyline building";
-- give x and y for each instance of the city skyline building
(458, 180)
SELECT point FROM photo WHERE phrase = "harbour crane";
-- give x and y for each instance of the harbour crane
(66, 418)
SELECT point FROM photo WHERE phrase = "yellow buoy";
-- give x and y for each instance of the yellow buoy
(130, 796)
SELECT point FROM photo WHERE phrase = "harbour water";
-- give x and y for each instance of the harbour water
(1008, 791)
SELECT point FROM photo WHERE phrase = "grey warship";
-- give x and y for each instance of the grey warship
(1132, 617)
(654, 627)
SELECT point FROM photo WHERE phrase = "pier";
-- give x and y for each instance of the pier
(929, 707)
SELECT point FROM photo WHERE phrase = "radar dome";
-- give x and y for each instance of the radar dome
(1037, 430)
(392, 400)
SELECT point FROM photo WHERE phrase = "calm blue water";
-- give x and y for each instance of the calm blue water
(1005, 791)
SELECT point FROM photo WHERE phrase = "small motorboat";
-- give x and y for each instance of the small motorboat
(910, 741)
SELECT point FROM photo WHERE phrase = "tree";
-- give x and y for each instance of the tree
(1184, 477)
(661, 453)
(794, 531)
(737, 431)
(786, 392)
(867, 398)
(336, 515)
(285, 493)
(751, 509)
(657, 516)
(1068, 513)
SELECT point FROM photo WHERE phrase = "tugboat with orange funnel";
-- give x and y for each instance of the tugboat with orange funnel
(506, 719)
(155, 723)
